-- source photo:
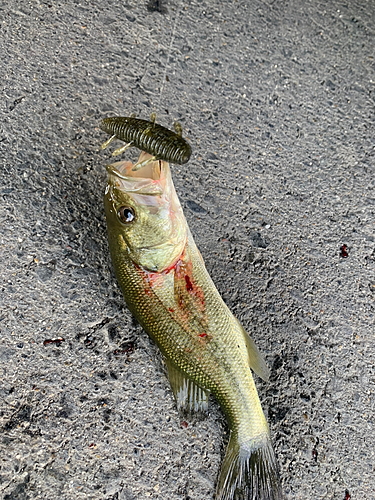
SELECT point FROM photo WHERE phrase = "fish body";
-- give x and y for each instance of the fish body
(162, 143)
(168, 289)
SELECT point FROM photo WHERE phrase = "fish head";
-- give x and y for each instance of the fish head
(144, 216)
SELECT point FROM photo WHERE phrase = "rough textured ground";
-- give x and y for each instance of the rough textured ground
(277, 101)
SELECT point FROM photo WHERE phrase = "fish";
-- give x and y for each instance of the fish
(160, 142)
(207, 351)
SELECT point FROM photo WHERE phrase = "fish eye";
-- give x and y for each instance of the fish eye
(126, 214)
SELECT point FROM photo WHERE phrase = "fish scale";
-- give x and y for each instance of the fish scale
(173, 297)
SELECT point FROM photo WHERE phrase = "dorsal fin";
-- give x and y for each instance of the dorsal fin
(189, 396)
(256, 360)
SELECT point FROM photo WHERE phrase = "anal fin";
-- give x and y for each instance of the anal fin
(256, 361)
(189, 396)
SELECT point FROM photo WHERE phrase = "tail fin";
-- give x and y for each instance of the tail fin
(249, 472)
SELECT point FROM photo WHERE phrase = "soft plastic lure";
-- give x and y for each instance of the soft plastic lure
(158, 141)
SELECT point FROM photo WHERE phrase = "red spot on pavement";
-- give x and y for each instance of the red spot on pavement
(54, 341)
(126, 349)
(170, 309)
(344, 251)
(203, 335)
(347, 495)
(184, 424)
(91, 445)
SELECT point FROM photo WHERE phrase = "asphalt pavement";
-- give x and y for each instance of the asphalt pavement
(277, 102)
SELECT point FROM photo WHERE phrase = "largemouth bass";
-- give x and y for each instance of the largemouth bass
(168, 289)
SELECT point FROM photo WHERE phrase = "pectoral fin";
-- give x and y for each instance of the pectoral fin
(189, 397)
(256, 361)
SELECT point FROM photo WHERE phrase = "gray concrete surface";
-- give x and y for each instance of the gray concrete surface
(277, 101)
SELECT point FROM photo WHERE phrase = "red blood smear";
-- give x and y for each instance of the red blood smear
(184, 424)
(203, 335)
(347, 495)
(344, 252)
(127, 349)
(189, 286)
(91, 445)
(54, 341)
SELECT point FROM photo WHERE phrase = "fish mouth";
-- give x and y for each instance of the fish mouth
(124, 169)
(149, 180)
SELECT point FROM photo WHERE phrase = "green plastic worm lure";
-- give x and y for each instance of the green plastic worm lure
(158, 141)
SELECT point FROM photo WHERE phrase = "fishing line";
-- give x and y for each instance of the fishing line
(168, 57)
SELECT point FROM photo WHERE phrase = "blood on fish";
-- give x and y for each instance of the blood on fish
(152, 277)
(189, 286)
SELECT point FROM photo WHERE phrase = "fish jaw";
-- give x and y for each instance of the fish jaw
(158, 236)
